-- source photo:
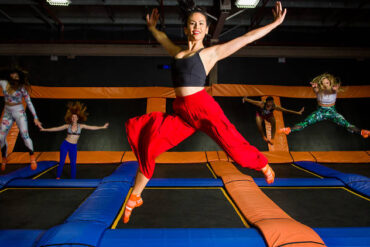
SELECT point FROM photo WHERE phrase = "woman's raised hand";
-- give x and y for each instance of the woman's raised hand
(278, 13)
(151, 20)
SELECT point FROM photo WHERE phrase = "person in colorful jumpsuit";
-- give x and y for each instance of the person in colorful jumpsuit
(265, 112)
(15, 87)
(154, 133)
(326, 87)
(76, 113)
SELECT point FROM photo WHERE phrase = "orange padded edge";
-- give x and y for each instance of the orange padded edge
(20, 157)
(294, 234)
(241, 90)
(156, 104)
(86, 157)
(277, 227)
(302, 156)
(342, 156)
(223, 156)
(172, 157)
(182, 157)
(233, 90)
(278, 157)
(101, 92)
(212, 156)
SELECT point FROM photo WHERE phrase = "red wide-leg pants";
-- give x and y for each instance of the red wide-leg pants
(154, 133)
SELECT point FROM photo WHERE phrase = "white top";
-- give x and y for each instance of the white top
(326, 98)
(16, 96)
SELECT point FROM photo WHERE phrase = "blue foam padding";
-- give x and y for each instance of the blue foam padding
(299, 182)
(126, 172)
(185, 182)
(185, 237)
(73, 233)
(345, 237)
(88, 223)
(103, 204)
(53, 183)
(24, 238)
(26, 172)
(356, 182)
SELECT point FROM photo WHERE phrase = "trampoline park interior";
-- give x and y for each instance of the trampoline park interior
(101, 54)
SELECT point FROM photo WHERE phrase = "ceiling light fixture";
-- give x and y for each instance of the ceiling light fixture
(246, 3)
(59, 2)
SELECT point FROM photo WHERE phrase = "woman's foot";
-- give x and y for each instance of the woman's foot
(365, 133)
(285, 130)
(133, 202)
(3, 163)
(33, 162)
(269, 174)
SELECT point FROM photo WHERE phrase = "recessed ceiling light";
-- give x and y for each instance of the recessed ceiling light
(59, 2)
(246, 3)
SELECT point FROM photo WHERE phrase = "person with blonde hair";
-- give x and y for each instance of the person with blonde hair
(154, 133)
(15, 86)
(76, 114)
(326, 87)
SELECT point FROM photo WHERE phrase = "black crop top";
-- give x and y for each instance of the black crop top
(188, 72)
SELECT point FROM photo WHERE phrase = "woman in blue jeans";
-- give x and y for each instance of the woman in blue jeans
(76, 114)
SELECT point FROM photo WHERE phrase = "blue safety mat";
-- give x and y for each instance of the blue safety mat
(25, 172)
(356, 182)
(88, 223)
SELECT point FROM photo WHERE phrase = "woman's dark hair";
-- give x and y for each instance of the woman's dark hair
(16, 84)
(187, 8)
(270, 98)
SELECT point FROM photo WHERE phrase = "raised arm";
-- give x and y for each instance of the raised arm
(54, 129)
(224, 50)
(28, 101)
(160, 36)
(91, 127)
(254, 102)
(315, 87)
(279, 108)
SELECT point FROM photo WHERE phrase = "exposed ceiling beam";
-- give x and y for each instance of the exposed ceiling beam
(152, 50)
(176, 21)
(225, 7)
(3, 13)
(42, 16)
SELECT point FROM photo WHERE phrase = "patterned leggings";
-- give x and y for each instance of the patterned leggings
(326, 113)
(14, 113)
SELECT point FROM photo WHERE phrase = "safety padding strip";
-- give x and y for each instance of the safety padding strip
(88, 223)
(277, 227)
(358, 183)
(17, 237)
(189, 237)
(25, 172)
(345, 236)
(53, 183)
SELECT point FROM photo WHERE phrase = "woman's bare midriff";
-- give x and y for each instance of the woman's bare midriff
(186, 91)
(329, 105)
(72, 139)
(12, 104)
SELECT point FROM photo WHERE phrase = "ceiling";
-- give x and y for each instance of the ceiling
(308, 22)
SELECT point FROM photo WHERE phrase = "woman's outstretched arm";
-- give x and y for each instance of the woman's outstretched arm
(254, 102)
(279, 108)
(224, 50)
(91, 127)
(54, 129)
